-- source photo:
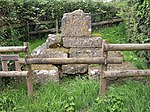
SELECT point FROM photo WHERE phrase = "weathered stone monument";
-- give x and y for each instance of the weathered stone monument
(76, 24)
(75, 41)
(76, 35)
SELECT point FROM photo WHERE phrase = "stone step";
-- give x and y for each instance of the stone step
(82, 42)
(43, 73)
(85, 52)
(94, 72)
(56, 53)
(53, 41)
(74, 69)
(50, 53)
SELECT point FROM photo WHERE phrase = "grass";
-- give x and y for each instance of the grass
(37, 43)
(72, 94)
(117, 35)
(81, 94)
(129, 97)
(114, 34)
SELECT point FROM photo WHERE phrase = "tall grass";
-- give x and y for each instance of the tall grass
(79, 95)
(128, 97)
(117, 35)
(73, 94)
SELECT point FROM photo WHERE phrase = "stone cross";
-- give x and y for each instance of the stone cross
(76, 24)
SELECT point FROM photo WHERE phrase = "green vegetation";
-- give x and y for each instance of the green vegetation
(81, 94)
(136, 15)
(34, 44)
(114, 34)
(128, 97)
(118, 35)
(22, 11)
(77, 95)
(72, 94)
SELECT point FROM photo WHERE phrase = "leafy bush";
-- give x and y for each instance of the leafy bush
(16, 11)
(21, 11)
(136, 15)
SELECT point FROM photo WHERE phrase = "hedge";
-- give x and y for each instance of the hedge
(19, 11)
(136, 15)
(15, 11)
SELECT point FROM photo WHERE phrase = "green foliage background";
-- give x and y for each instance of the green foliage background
(20, 11)
(16, 11)
(136, 15)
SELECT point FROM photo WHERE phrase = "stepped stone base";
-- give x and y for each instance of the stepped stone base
(74, 69)
(53, 41)
(45, 73)
(85, 52)
(42, 52)
(39, 51)
(82, 42)
(56, 53)
(94, 72)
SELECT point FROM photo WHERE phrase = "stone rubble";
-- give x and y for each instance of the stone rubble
(94, 72)
(39, 51)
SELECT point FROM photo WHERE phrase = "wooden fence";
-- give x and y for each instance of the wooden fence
(56, 29)
(104, 60)
(6, 55)
(123, 73)
(29, 25)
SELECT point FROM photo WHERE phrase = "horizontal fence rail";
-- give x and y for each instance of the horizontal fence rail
(9, 57)
(126, 73)
(126, 47)
(106, 22)
(100, 60)
(11, 53)
(13, 49)
(13, 73)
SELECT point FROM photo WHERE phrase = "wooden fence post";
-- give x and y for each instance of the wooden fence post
(103, 80)
(29, 75)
